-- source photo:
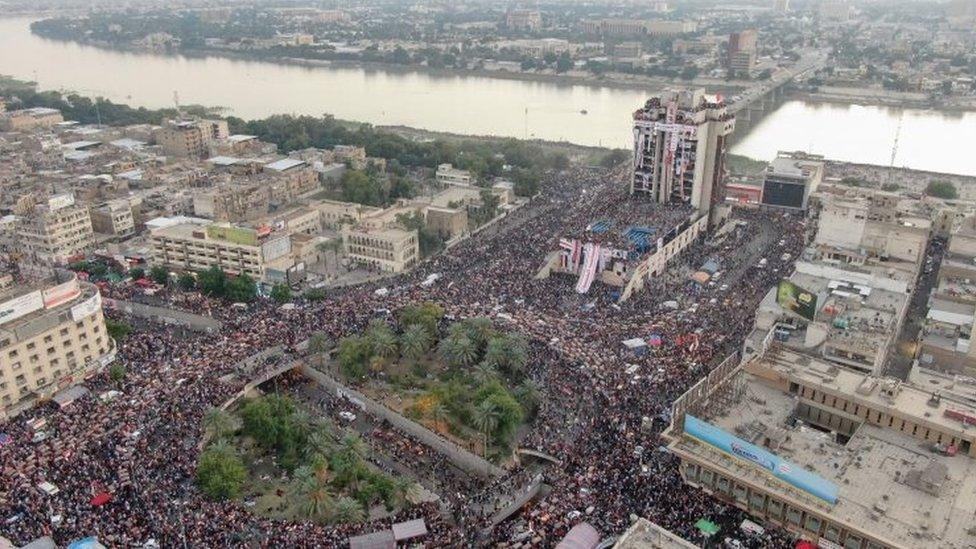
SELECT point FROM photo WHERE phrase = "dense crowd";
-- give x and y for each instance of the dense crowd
(597, 397)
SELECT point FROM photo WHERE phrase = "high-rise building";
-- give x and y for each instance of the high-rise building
(54, 231)
(743, 50)
(781, 6)
(680, 142)
(190, 137)
(52, 336)
(525, 20)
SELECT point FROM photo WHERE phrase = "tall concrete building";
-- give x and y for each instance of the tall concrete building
(191, 138)
(52, 336)
(743, 50)
(791, 178)
(53, 231)
(680, 142)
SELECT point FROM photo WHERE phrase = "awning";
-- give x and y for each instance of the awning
(409, 529)
(101, 499)
(377, 540)
(634, 343)
(581, 536)
(69, 395)
(707, 527)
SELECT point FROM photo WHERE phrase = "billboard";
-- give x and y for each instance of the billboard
(21, 306)
(237, 235)
(788, 472)
(62, 293)
(796, 300)
(87, 307)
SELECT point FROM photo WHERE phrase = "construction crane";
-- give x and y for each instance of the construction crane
(894, 150)
(176, 101)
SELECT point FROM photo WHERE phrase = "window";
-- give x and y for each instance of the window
(813, 524)
(793, 516)
(30, 346)
(775, 508)
(832, 533)
(852, 542)
(12, 354)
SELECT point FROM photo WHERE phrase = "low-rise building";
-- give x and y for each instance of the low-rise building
(191, 137)
(52, 336)
(391, 249)
(790, 179)
(113, 218)
(449, 175)
(29, 119)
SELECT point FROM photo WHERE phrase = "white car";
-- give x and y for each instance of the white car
(348, 416)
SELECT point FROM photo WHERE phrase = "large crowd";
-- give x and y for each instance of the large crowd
(598, 398)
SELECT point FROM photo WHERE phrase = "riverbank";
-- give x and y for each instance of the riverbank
(884, 98)
(906, 179)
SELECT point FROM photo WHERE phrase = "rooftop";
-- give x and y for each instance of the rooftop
(284, 164)
(889, 483)
(644, 534)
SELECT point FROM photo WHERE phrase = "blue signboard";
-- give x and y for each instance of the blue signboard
(789, 473)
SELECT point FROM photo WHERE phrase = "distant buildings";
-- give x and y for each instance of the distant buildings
(742, 51)
(52, 336)
(28, 119)
(449, 175)
(524, 20)
(114, 218)
(635, 27)
(680, 147)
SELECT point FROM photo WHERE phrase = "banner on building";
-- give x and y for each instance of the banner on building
(87, 307)
(61, 294)
(786, 471)
(21, 306)
(796, 300)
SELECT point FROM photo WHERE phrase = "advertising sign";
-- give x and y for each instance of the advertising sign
(87, 307)
(789, 473)
(62, 293)
(237, 235)
(21, 306)
(796, 300)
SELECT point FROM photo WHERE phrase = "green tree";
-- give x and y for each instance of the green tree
(117, 330)
(241, 289)
(360, 188)
(159, 274)
(942, 189)
(311, 492)
(117, 372)
(136, 273)
(348, 511)
(427, 314)
(315, 294)
(614, 158)
(212, 282)
(415, 342)
(353, 356)
(458, 350)
(564, 63)
(186, 281)
(528, 394)
(220, 472)
(318, 343)
(382, 339)
(508, 412)
(485, 418)
(280, 293)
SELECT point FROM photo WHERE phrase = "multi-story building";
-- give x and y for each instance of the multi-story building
(190, 138)
(841, 458)
(114, 218)
(742, 51)
(29, 119)
(391, 249)
(790, 179)
(449, 175)
(680, 144)
(634, 27)
(54, 231)
(192, 245)
(52, 336)
(524, 20)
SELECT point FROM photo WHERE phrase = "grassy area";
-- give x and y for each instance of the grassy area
(744, 166)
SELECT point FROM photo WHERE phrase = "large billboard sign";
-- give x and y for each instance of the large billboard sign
(62, 293)
(87, 307)
(796, 300)
(786, 471)
(21, 306)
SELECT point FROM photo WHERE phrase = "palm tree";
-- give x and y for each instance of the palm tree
(310, 490)
(414, 342)
(347, 510)
(496, 354)
(517, 353)
(318, 344)
(302, 425)
(352, 444)
(382, 339)
(459, 350)
(320, 440)
(480, 329)
(219, 423)
(485, 419)
(484, 372)
(527, 393)
(438, 413)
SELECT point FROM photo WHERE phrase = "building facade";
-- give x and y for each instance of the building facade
(54, 231)
(680, 144)
(389, 250)
(191, 138)
(790, 179)
(237, 250)
(52, 336)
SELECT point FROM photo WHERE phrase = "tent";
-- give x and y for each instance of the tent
(409, 529)
(101, 499)
(707, 527)
(581, 536)
(636, 345)
(701, 277)
(69, 395)
(710, 266)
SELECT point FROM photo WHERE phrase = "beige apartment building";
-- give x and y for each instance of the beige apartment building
(190, 138)
(52, 336)
(54, 231)
(389, 250)
(29, 119)
(114, 218)
(195, 246)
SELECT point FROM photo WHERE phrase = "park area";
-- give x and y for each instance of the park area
(464, 379)
(287, 465)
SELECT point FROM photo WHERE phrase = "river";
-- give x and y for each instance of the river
(471, 105)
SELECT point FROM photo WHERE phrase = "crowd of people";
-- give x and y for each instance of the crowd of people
(140, 447)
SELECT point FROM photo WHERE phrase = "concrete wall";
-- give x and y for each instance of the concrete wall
(167, 316)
